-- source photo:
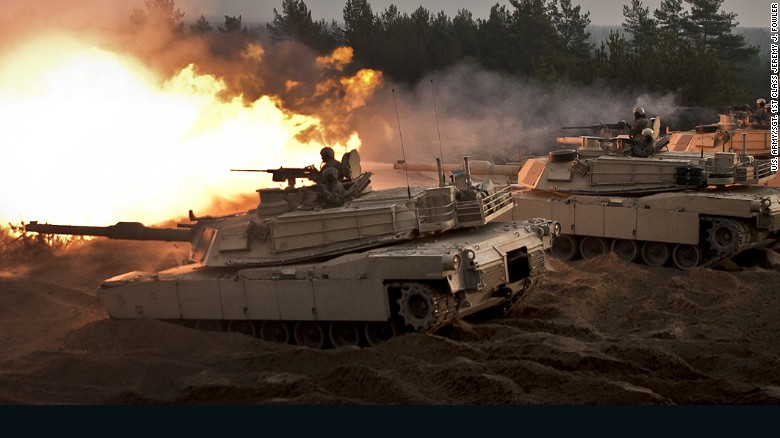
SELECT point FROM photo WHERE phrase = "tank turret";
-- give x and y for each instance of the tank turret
(337, 264)
(733, 132)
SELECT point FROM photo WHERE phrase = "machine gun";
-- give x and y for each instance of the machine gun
(289, 174)
(601, 126)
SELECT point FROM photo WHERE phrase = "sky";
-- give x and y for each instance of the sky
(750, 13)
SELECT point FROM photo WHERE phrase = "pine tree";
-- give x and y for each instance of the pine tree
(496, 41)
(571, 27)
(464, 28)
(361, 29)
(640, 26)
(295, 22)
(201, 27)
(709, 27)
(537, 47)
(158, 13)
(671, 17)
(232, 25)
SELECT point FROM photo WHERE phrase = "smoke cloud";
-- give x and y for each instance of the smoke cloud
(489, 115)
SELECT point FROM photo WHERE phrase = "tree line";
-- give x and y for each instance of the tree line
(688, 47)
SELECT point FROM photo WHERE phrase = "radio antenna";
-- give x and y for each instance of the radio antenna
(403, 153)
(436, 112)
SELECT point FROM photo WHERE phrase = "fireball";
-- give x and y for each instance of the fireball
(91, 136)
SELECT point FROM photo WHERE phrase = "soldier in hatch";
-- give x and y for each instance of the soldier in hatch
(761, 116)
(643, 146)
(640, 123)
(329, 161)
(329, 189)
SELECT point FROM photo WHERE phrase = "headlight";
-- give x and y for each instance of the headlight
(451, 262)
(556, 229)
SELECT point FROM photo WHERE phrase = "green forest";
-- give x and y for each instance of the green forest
(687, 47)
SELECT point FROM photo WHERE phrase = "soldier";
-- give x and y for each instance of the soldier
(761, 116)
(329, 189)
(329, 161)
(643, 146)
(640, 123)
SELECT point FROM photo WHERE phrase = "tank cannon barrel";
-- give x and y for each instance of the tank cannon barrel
(619, 125)
(476, 167)
(122, 230)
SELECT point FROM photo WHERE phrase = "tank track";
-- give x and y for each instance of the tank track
(727, 238)
(536, 263)
(721, 238)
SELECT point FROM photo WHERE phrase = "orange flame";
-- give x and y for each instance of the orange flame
(360, 87)
(94, 137)
(337, 60)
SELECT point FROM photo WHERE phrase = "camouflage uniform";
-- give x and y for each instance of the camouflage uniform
(330, 189)
(761, 118)
(644, 145)
(640, 123)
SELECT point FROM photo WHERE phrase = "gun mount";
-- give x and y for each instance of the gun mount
(383, 263)
(289, 174)
(350, 170)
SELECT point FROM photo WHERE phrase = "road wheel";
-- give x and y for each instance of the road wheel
(565, 247)
(242, 326)
(310, 334)
(625, 249)
(378, 332)
(275, 331)
(344, 334)
(687, 257)
(591, 247)
(655, 253)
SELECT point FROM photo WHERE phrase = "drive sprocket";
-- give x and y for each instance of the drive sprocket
(727, 236)
(418, 306)
(424, 308)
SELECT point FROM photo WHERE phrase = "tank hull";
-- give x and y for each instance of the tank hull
(418, 286)
(685, 228)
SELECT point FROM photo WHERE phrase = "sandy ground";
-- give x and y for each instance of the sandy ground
(595, 332)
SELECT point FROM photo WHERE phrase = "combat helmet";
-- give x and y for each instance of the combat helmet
(327, 153)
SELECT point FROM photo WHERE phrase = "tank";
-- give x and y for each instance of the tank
(672, 208)
(302, 269)
(699, 198)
